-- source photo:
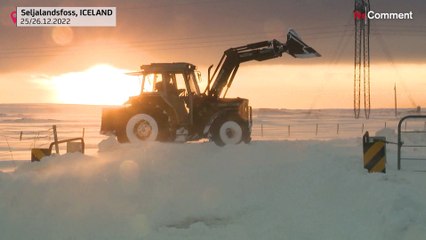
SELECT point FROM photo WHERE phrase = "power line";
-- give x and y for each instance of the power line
(194, 42)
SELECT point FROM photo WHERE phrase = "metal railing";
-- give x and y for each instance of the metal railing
(401, 143)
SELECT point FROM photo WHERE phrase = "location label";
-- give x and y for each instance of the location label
(13, 16)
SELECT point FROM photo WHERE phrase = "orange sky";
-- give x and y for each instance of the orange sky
(324, 86)
(51, 64)
(274, 86)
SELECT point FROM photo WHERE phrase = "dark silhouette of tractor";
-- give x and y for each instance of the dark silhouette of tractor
(171, 106)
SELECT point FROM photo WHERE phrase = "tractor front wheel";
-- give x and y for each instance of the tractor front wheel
(228, 131)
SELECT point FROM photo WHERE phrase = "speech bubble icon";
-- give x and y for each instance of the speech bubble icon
(13, 16)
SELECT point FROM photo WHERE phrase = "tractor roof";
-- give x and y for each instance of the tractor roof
(178, 67)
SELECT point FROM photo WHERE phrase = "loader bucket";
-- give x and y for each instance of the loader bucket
(297, 48)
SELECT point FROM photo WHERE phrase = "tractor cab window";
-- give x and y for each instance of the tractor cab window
(180, 84)
(167, 83)
(192, 83)
(149, 82)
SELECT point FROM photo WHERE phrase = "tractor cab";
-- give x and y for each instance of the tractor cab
(168, 77)
(174, 83)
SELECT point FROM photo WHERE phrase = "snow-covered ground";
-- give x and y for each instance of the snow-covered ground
(265, 190)
(311, 186)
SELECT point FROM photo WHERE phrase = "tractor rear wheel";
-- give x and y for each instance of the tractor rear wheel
(142, 127)
(228, 131)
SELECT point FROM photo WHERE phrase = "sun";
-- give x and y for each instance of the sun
(101, 84)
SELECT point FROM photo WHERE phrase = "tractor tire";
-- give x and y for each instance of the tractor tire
(228, 131)
(142, 127)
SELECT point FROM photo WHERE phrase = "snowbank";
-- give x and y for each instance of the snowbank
(388, 133)
(265, 190)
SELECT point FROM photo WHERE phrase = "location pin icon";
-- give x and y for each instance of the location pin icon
(13, 16)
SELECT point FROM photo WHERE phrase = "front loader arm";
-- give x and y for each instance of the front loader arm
(260, 51)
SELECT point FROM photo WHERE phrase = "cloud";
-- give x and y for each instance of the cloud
(179, 31)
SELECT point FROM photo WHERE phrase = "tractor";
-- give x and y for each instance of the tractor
(172, 108)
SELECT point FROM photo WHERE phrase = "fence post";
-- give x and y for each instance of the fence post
(288, 130)
(362, 128)
(55, 138)
(316, 130)
(338, 126)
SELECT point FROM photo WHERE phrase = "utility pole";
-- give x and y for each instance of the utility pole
(362, 57)
(396, 100)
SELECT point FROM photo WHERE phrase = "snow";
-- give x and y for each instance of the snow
(302, 189)
(388, 133)
(301, 178)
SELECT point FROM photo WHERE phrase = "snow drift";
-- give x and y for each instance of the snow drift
(265, 190)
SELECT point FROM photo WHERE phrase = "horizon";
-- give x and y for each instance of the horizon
(254, 108)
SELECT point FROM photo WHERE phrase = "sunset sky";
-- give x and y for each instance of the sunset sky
(86, 65)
